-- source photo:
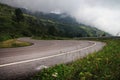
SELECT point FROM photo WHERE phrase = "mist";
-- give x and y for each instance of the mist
(102, 14)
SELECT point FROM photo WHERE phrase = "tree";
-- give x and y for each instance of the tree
(19, 15)
(103, 35)
(52, 30)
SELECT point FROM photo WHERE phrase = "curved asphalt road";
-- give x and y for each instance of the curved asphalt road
(23, 62)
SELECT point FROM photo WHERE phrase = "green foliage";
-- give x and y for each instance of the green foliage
(102, 65)
(19, 15)
(4, 37)
(13, 43)
(50, 38)
(52, 30)
(59, 72)
(103, 34)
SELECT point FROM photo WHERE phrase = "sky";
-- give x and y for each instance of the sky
(102, 14)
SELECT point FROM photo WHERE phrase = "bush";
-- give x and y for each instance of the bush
(5, 37)
(59, 72)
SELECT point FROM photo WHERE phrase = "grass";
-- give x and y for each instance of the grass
(102, 65)
(50, 38)
(13, 43)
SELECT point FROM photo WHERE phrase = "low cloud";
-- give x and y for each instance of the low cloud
(103, 14)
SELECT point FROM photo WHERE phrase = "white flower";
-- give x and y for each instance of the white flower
(55, 74)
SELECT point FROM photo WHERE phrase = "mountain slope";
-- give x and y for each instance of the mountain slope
(41, 25)
(66, 19)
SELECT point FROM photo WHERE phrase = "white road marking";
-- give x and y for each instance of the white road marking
(32, 60)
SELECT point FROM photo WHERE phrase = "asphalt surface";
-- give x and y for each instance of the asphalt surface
(20, 63)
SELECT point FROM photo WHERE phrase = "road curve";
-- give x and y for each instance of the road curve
(25, 61)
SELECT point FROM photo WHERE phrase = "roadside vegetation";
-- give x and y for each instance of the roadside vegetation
(13, 43)
(102, 65)
(50, 38)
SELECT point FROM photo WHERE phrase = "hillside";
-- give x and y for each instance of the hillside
(41, 25)
(66, 19)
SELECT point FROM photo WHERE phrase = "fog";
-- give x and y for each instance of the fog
(102, 14)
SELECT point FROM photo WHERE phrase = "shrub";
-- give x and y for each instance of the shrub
(59, 72)
(4, 37)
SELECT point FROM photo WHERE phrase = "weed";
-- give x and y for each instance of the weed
(13, 43)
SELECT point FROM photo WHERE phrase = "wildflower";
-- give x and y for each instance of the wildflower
(55, 74)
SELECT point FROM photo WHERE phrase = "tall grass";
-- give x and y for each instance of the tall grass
(11, 43)
(102, 65)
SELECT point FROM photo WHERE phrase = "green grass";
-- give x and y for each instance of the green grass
(50, 38)
(13, 43)
(102, 65)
